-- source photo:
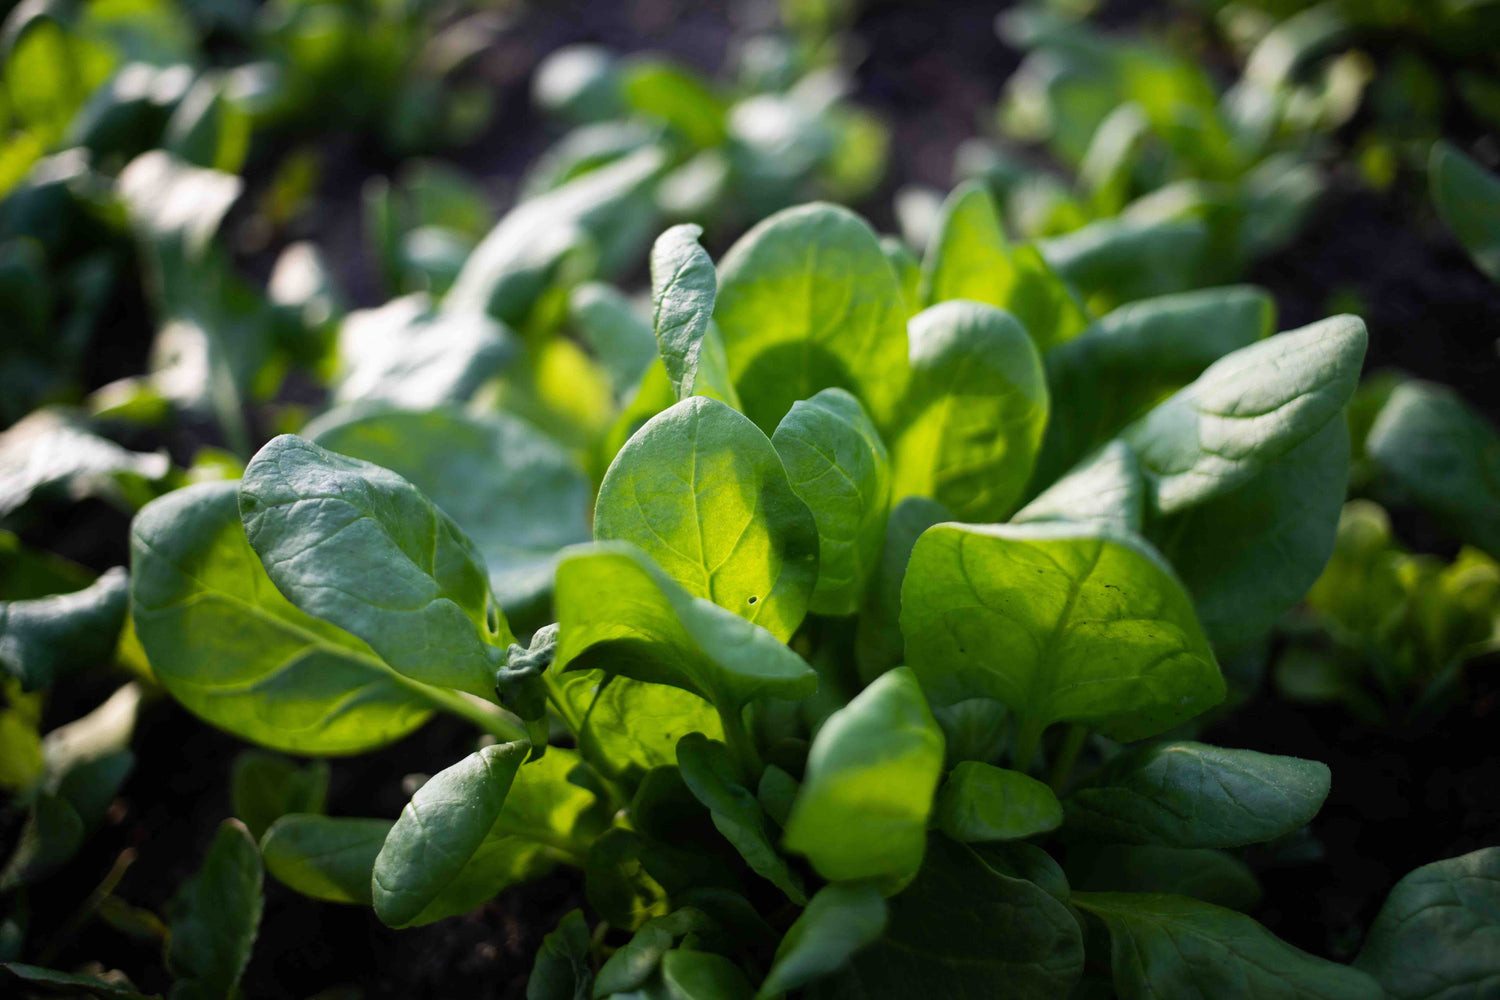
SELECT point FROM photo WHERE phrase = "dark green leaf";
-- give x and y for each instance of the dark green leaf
(1171, 946)
(326, 857)
(1468, 198)
(980, 802)
(216, 915)
(46, 638)
(266, 786)
(1212, 876)
(1182, 794)
(839, 921)
(70, 984)
(563, 970)
(1438, 935)
(360, 547)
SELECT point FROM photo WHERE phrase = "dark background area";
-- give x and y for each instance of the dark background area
(933, 72)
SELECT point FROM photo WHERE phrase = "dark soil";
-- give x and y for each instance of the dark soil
(1399, 799)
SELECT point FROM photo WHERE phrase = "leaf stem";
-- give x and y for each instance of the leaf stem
(1027, 742)
(741, 743)
(1067, 756)
(608, 775)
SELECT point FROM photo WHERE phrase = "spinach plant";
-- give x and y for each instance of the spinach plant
(879, 674)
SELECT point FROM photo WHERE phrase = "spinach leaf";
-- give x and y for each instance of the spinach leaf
(961, 928)
(703, 493)
(326, 857)
(1438, 934)
(229, 647)
(440, 830)
(837, 464)
(562, 970)
(974, 414)
(1212, 876)
(980, 802)
(807, 301)
(1468, 198)
(407, 355)
(710, 772)
(874, 765)
(1059, 622)
(1182, 794)
(1446, 455)
(263, 787)
(1126, 362)
(878, 635)
(618, 611)
(1174, 946)
(46, 638)
(515, 492)
(1107, 487)
(967, 257)
(216, 916)
(838, 921)
(683, 287)
(360, 547)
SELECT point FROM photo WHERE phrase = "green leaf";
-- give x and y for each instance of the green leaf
(908, 271)
(1182, 794)
(1468, 198)
(1114, 261)
(635, 961)
(1438, 935)
(1045, 304)
(710, 773)
(1060, 622)
(702, 492)
(608, 211)
(808, 301)
(360, 547)
(46, 638)
(702, 975)
(1201, 873)
(231, 649)
(974, 414)
(878, 637)
(266, 786)
(1131, 359)
(963, 928)
(440, 830)
(980, 802)
(330, 858)
(663, 90)
(1446, 455)
(874, 766)
(632, 724)
(836, 462)
(91, 986)
(618, 611)
(518, 495)
(563, 970)
(216, 915)
(683, 287)
(1248, 555)
(1170, 946)
(51, 452)
(967, 257)
(838, 921)
(619, 337)
(406, 355)
(1247, 410)
(1106, 487)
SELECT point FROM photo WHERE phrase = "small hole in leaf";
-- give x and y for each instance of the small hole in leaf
(754, 599)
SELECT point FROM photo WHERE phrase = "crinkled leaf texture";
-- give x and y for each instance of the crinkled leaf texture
(228, 646)
(511, 489)
(1438, 935)
(358, 546)
(702, 492)
(1172, 946)
(1061, 622)
(1183, 794)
